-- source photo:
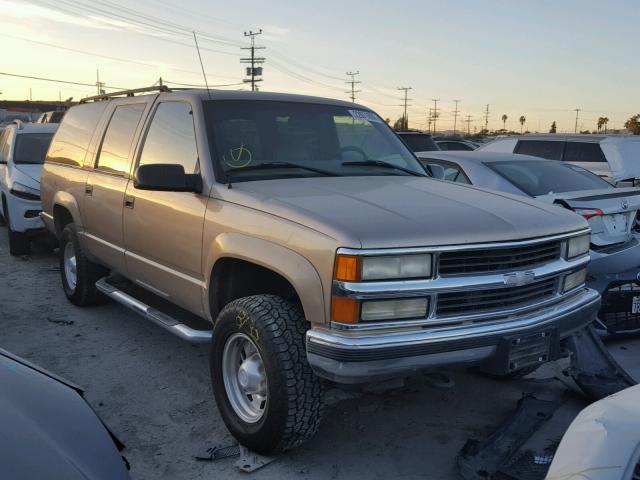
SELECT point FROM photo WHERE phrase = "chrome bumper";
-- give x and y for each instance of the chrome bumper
(359, 357)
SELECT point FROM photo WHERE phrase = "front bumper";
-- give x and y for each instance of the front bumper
(24, 214)
(345, 357)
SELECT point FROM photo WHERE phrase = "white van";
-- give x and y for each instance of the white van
(614, 157)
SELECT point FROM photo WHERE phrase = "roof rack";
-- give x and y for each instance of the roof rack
(126, 93)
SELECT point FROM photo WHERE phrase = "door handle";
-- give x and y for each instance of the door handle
(129, 200)
(88, 189)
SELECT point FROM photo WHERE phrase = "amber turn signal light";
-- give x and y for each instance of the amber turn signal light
(345, 310)
(347, 268)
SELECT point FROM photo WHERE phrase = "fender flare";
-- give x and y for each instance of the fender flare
(68, 201)
(296, 269)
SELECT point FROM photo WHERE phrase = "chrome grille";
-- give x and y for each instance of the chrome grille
(494, 300)
(498, 259)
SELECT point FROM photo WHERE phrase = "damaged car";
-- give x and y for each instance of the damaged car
(611, 212)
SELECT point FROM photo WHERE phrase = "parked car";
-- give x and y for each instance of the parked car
(312, 241)
(463, 145)
(602, 441)
(611, 212)
(613, 157)
(54, 116)
(418, 141)
(49, 430)
(22, 151)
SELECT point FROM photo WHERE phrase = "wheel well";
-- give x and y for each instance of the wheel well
(233, 278)
(61, 217)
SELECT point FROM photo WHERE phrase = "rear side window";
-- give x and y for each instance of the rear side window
(419, 142)
(71, 141)
(171, 137)
(31, 148)
(549, 149)
(583, 152)
(116, 145)
(446, 171)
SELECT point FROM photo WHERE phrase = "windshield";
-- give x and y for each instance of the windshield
(259, 140)
(543, 177)
(31, 148)
(419, 142)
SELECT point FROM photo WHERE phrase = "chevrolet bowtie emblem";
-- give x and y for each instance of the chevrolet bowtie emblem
(517, 279)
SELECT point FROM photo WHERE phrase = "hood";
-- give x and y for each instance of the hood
(618, 206)
(402, 211)
(49, 431)
(33, 172)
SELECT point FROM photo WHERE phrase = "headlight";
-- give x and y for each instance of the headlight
(351, 268)
(574, 280)
(578, 246)
(394, 309)
(22, 191)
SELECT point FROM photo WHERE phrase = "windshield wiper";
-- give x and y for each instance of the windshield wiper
(277, 165)
(382, 164)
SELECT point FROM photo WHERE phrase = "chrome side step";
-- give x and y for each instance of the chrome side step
(156, 316)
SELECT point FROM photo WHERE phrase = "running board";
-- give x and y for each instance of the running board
(156, 316)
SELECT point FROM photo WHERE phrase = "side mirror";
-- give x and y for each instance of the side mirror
(166, 177)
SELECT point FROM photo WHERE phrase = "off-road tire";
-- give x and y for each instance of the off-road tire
(87, 272)
(294, 405)
(19, 243)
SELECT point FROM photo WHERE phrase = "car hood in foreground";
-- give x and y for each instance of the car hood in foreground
(49, 431)
(402, 211)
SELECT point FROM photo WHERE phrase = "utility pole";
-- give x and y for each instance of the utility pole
(455, 117)
(99, 84)
(406, 100)
(353, 82)
(486, 119)
(253, 71)
(468, 120)
(435, 113)
(30, 95)
(430, 118)
(575, 129)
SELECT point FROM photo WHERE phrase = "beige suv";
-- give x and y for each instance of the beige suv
(308, 239)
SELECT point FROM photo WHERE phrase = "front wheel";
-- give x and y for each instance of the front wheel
(267, 395)
(19, 243)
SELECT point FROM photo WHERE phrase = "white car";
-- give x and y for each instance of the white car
(23, 147)
(613, 157)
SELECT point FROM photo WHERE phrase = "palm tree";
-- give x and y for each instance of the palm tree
(600, 123)
(605, 120)
(522, 120)
(504, 121)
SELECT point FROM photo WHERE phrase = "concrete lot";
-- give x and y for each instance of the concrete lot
(153, 391)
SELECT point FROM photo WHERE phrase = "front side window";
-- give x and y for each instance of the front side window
(31, 148)
(256, 140)
(549, 149)
(171, 137)
(116, 145)
(583, 152)
(541, 178)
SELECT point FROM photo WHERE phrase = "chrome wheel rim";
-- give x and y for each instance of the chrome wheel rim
(244, 376)
(70, 269)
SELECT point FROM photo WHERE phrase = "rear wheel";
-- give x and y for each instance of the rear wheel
(266, 392)
(79, 274)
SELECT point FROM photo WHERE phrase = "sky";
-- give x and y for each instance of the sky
(541, 59)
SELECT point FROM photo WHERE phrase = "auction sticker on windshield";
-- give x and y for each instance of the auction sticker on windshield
(364, 115)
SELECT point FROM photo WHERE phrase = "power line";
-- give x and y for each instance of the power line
(253, 71)
(577, 110)
(61, 81)
(353, 83)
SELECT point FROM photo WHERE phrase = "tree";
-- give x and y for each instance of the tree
(633, 124)
(553, 128)
(401, 124)
(605, 120)
(504, 121)
(522, 119)
(388, 121)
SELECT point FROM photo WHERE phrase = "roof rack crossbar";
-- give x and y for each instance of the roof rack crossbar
(126, 93)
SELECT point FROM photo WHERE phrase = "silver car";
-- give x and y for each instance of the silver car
(611, 212)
